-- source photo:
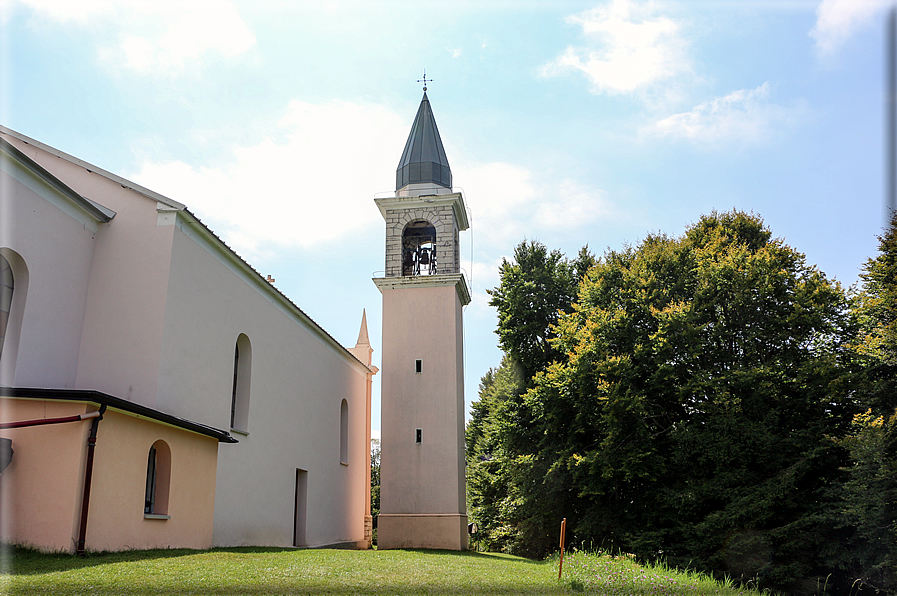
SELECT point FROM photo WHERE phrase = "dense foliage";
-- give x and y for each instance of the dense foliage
(864, 539)
(696, 403)
(535, 287)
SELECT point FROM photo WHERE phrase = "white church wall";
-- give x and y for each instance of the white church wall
(53, 273)
(149, 307)
(298, 381)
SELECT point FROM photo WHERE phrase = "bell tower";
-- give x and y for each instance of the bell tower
(422, 486)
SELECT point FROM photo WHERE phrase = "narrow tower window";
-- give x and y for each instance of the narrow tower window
(418, 366)
(344, 433)
(239, 403)
(418, 435)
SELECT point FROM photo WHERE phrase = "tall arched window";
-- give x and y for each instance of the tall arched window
(158, 479)
(344, 433)
(13, 294)
(7, 285)
(239, 404)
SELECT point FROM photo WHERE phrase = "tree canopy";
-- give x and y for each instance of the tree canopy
(535, 287)
(684, 407)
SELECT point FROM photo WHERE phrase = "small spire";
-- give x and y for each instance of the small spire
(363, 339)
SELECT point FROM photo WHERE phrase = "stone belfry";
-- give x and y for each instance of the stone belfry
(422, 486)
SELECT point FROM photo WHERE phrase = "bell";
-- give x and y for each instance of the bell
(424, 257)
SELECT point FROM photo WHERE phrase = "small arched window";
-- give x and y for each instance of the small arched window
(7, 286)
(344, 433)
(239, 404)
(158, 479)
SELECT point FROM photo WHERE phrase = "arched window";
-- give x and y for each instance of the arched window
(7, 286)
(239, 404)
(158, 479)
(419, 248)
(13, 291)
(344, 433)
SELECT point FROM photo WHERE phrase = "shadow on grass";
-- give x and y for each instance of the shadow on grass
(466, 553)
(19, 560)
(392, 590)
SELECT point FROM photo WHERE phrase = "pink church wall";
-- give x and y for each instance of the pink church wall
(42, 487)
(116, 519)
(428, 481)
(121, 343)
(113, 293)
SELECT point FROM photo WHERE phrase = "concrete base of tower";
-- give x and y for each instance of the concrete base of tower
(444, 531)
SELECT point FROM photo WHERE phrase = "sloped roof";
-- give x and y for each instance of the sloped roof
(424, 160)
(98, 212)
(192, 220)
(116, 403)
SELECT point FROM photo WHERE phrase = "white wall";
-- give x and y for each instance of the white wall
(56, 241)
(298, 381)
(149, 309)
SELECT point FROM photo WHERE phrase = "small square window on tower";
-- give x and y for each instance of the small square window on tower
(418, 435)
(418, 366)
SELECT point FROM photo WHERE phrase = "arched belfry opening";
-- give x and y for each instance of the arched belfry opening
(419, 249)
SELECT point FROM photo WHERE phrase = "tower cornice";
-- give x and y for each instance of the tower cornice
(427, 281)
(455, 200)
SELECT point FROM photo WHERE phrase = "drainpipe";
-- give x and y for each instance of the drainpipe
(88, 473)
(41, 421)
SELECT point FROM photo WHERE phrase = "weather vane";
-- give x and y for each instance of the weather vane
(424, 80)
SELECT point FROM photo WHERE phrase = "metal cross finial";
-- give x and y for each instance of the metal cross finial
(424, 80)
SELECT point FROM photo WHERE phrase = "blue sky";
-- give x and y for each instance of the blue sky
(567, 122)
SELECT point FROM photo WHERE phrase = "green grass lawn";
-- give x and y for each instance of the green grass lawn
(290, 571)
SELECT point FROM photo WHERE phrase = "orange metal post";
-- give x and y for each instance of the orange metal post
(563, 530)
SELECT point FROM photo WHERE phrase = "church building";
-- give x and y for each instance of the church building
(155, 390)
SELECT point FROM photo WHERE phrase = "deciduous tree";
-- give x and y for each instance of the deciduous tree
(695, 385)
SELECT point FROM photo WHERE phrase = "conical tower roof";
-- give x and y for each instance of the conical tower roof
(424, 160)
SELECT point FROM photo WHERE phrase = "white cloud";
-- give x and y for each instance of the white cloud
(746, 115)
(299, 192)
(837, 20)
(630, 48)
(510, 204)
(152, 37)
(303, 190)
(66, 11)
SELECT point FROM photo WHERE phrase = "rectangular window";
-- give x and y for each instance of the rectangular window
(418, 435)
(418, 366)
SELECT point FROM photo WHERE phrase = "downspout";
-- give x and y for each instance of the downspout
(88, 473)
